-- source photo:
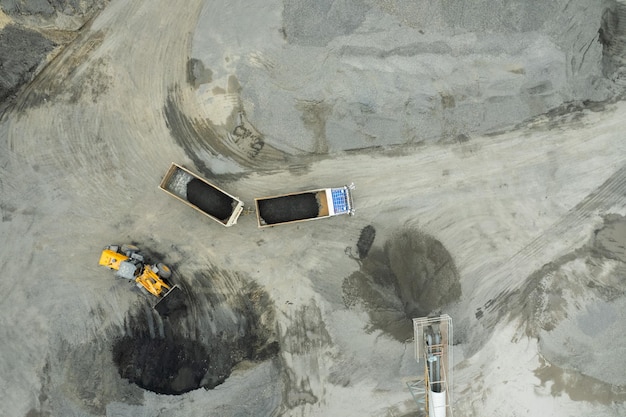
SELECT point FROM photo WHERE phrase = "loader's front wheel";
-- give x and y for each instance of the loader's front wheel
(164, 271)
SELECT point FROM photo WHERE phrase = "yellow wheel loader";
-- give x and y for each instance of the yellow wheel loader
(131, 264)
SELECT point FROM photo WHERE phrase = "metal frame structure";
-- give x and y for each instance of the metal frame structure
(427, 352)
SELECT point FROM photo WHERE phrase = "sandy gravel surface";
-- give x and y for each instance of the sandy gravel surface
(519, 236)
(345, 75)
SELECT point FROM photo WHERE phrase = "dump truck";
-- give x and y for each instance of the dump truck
(201, 195)
(129, 263)
(304, 205)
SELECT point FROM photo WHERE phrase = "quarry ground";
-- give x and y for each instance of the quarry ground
(487, 150)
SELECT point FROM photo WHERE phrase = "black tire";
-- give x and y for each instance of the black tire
(164, 271)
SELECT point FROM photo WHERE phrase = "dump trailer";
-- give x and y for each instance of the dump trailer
(304, 206)
(200, 194)
(129, 263)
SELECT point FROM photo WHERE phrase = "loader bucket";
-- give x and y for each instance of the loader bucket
(173, 301)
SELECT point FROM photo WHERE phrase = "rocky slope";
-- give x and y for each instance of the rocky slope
(32, 31)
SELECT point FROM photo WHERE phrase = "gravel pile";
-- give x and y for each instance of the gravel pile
(21, 51)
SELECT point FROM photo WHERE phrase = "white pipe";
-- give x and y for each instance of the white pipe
(436, 404)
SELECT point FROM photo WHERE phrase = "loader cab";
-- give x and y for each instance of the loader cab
(125, 260)
(112, 259)
(128, 270)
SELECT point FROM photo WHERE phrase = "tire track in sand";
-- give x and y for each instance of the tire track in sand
(499, 284)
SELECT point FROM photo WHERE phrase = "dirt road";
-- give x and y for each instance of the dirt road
(82, 153)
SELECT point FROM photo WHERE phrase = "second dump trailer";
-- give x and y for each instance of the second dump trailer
(200, 194)
(304, 205)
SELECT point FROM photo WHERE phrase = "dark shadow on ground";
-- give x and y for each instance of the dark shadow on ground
(413, 275)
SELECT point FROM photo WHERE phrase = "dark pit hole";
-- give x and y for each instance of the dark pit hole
(161, 365)
(227, 319)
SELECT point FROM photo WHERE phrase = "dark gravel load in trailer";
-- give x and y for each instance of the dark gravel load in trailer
(289, 208)
(200, 194)
(303, 206)
(209, 199)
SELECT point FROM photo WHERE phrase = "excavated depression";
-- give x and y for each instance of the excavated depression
(198, 347)
(170, 365)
